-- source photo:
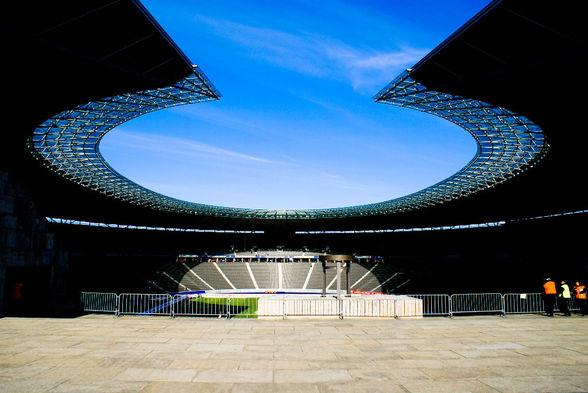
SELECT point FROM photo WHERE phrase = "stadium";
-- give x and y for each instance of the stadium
(107, 285)
(71, 223)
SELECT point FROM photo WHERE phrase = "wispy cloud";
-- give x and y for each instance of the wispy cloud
(318, 55)
(174, 147)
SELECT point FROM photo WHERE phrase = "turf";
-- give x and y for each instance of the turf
(237, 307)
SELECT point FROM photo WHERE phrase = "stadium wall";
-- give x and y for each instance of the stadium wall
(513, 257)
(28, 257)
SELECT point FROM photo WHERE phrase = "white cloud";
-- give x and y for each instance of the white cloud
(318, 55)
(181, 147)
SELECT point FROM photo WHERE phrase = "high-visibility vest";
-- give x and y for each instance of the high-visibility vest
(565, 292)
(550, 288)
(580, 292)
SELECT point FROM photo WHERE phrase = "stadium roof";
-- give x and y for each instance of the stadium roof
(499, 77)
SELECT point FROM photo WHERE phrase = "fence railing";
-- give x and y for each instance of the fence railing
(523, 303)
(430, 305)
(145, 304)
(397, 306)
(100, 302)
(475, 303)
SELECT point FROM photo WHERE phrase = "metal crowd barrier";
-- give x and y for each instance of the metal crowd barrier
(99, 302)
(523, 303)
(242, 307)
(283, 306)
(145, 304)
(476, 303)
(571, 305)
(430, 305)
(190, 305)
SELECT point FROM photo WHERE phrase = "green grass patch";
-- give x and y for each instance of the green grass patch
(237, 307)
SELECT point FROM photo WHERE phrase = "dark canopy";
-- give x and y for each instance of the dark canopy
(528, 57)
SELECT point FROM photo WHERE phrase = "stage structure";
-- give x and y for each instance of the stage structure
(338, 262)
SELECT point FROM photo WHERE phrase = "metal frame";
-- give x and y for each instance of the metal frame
(432, 305)
(473, 303)
(508, 143)
(67, 143)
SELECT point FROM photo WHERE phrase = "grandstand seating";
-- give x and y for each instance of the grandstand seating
(363, 276)
(210, 274)
(266, 274)
(316, 277)
(237, 273)
(294, 274)
(370, 281)
(192, 281)
(383, 277)
(170, 279)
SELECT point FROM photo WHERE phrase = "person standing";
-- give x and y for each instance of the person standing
(549, 295)
(580, 294)
(564, 298)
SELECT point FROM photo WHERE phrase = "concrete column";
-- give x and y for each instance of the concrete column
(338, 279)
(324, 292)
(347, 267)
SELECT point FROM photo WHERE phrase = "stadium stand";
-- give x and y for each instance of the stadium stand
(294, 274)
(237, 273)
(266, 274)
(211, 275)
(281, 270)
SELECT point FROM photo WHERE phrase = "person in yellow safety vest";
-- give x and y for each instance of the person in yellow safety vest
(549, 293)
(564, 298)
(580, 292)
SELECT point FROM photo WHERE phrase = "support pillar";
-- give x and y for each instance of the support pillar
(336, 262)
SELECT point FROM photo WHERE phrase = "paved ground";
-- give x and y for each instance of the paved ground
(134, 354)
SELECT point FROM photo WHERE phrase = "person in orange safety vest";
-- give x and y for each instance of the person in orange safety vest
(580, 293)
(549, 296)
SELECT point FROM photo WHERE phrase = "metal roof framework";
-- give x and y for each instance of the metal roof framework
(508, 144)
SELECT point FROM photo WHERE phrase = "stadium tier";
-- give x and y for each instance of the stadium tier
(272, 271)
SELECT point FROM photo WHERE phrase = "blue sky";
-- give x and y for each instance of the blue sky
(297, 127)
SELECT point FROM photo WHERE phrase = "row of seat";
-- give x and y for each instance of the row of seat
(180, 277)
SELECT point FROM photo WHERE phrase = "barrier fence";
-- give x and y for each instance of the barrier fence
(387, 306)
(523, 303)
(100, 302)
(474, 303)
(144, 304)
(432, 305)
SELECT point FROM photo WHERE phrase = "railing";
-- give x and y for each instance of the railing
(523, 303)
(189, 305)
(475, 303)
(145, 304)
(397, 306)
(572, 306)
(100, 302)
(430, 305)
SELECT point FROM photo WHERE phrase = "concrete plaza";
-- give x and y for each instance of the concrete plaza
(98, 353)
